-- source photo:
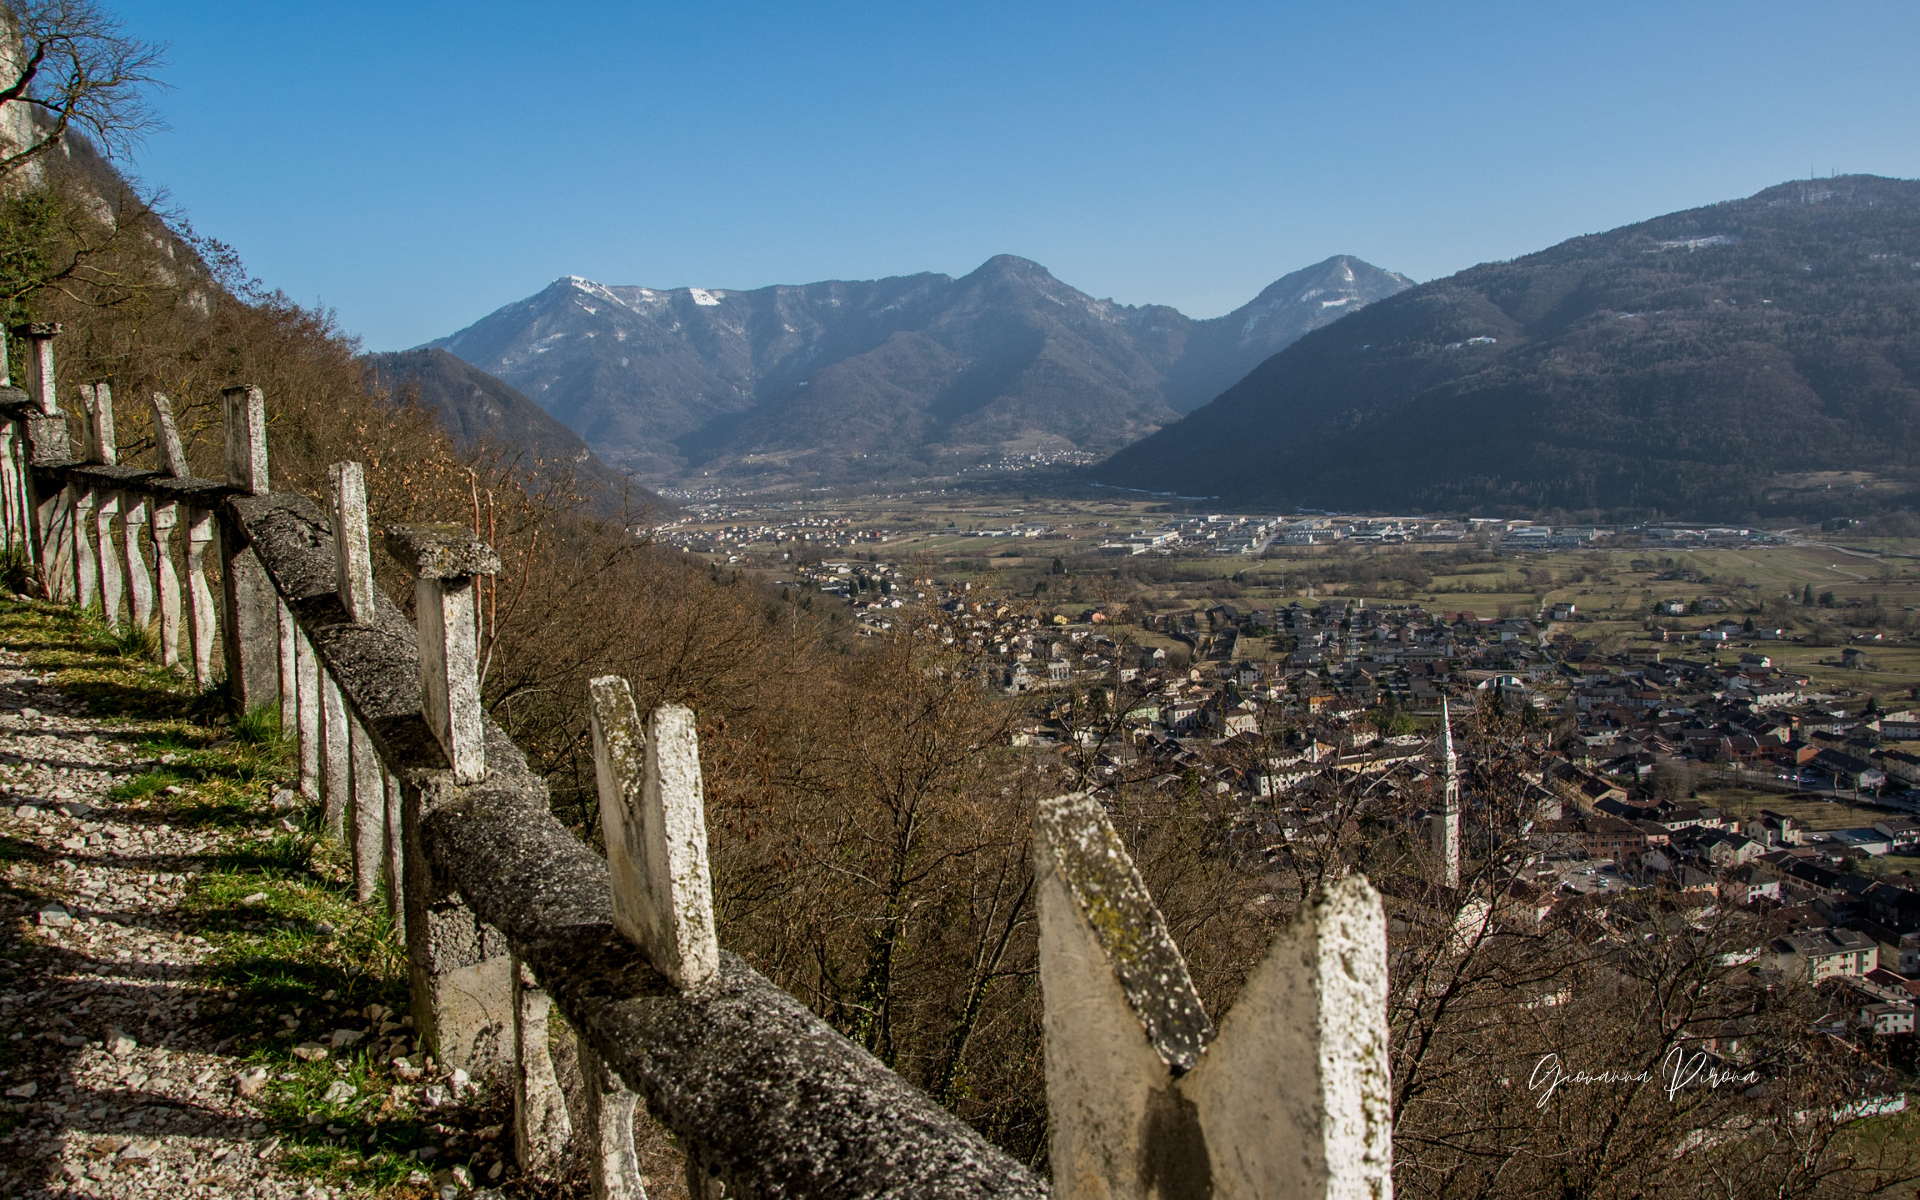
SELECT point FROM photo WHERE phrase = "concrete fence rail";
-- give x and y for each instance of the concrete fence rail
(507, 914)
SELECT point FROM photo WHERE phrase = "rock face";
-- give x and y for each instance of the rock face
(1707, 364)
(846, 381)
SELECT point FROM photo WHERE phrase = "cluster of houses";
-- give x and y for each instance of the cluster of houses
(1607, 821)
(798, 530)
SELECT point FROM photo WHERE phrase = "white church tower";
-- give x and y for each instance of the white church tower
(1443, 828)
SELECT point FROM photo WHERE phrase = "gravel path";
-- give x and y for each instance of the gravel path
(116, 1078)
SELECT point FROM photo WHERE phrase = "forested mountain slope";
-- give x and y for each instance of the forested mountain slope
(474, 407)
(1726, 362)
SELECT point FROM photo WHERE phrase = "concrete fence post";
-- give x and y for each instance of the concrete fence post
(369, 812)
(395, 871)
(654, 819)
(462, 974)
(54, 521)
(133, 540)
(200, 607)
(86, 576)
(1290, 1099)
(286, 645)
(337, 744)
(607, 1140)
(245, 409)
(173, 455)
(307, 672)
(107, 556)
(40, 381)
(252, 623)
(352, 546)
(541, 1131)
(446, 560)
(48, 444)
(96, 405)
(166, 518)
(14, 509)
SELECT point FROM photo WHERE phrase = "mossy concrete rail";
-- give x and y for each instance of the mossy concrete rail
(507, 913)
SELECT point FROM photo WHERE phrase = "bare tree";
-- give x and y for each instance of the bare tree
(68, 64)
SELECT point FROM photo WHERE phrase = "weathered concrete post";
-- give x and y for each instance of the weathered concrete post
(96, 405)
(541, 1130)
(307, 671)
(608, 1137)
(54, 522)
(369, 812)
(166, 517)
(245, 411)
(446, 560)
(395, 871)
(86, 576)
(200, 607)
(173, 454)
(14, 509)
(252, 606)
(338, 746)
(462, 971)
(654, 817)
(352, 546)
(107, 556)
(286, 639)
(133, 536)
(1291, 1099)
(40, 381)
(48, 443)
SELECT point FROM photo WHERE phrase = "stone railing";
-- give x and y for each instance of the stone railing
(506, 913)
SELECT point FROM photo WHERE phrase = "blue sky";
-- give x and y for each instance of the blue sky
(417, 165)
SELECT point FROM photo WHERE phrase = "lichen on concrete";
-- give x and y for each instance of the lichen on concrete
(441, 551)
(740, 1071)
(1079, 842)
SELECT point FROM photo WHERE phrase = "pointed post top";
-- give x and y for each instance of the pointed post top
(653, 812)
(96, 401)
(165, 432)
(1075, 841)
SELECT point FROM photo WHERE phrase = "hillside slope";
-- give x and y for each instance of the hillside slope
(473, 407)
(1719, 363)
(856, 380)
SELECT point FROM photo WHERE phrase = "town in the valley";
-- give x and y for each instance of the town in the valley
(1727, 716)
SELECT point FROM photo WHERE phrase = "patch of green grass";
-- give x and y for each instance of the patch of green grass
(258, 726)
(377, 1123)
(145, 784)
(132, 641)
(285, 929)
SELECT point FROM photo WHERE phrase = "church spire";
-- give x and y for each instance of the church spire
(1444, 826)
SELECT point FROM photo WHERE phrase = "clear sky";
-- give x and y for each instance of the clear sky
(417, 165)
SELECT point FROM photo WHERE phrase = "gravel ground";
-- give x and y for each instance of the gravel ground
(116, 1079)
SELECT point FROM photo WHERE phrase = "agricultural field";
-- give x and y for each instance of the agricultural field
(1824, 597)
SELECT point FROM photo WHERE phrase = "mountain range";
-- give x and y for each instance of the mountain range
(862, 381)
(1752, 358)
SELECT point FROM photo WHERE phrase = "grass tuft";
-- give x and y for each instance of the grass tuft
(258, 726)
(133, 641)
